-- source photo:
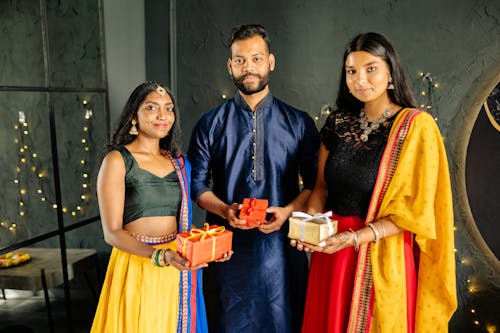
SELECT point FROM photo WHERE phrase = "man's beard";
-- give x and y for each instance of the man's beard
(247, 90)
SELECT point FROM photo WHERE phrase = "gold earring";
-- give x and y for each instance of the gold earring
(133, 129)
(390, 86)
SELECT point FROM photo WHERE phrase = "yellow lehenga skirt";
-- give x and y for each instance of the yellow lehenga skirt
(137, 296)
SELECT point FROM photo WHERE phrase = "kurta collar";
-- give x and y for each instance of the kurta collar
(264, 103)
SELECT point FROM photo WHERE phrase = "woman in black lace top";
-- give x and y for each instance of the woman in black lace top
(382, 170)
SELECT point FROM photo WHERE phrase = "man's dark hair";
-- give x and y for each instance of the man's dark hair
(245, 31)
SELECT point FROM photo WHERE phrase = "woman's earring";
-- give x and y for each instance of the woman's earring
(390, 86)
(133, 129)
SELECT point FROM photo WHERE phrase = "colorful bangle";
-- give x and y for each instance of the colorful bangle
(153, 257)
(375, 232)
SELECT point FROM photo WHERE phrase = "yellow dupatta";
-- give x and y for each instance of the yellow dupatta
(418, 199)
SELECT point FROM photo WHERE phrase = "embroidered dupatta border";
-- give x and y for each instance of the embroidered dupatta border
(363, 294)
(186, 322)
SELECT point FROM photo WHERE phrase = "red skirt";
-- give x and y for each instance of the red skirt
(331, 282)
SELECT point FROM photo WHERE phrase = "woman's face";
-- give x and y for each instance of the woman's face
(367, 76)
(155, 115)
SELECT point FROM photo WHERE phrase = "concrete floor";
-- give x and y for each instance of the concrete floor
(24, 311)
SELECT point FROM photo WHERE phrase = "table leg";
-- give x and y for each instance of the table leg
(47, 301)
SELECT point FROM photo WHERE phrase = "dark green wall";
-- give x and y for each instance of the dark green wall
(456, 41)
(51, 61)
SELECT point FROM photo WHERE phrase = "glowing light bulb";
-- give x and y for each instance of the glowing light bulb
(34, 155)
(54, 206)
(23, 191)
(39, 191)
(73, 213)
(82, 161)
(21, 213)
(64, 209)
(83, 197)
(83, 140)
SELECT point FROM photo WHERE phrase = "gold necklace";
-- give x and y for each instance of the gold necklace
(367, 129)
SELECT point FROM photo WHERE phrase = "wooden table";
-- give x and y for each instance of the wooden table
(44, 270)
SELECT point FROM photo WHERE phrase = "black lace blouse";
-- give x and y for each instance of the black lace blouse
(352, 165)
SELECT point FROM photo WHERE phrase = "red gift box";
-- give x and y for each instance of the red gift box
(254, 211)
(203, 245)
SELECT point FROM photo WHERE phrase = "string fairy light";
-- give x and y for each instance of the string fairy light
(30, 173)
(425, 93)
(322, 115)
(473, 286)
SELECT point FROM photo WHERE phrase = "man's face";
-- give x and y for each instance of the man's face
(250, 64)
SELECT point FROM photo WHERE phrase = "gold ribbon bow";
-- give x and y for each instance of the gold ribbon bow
(202, 233)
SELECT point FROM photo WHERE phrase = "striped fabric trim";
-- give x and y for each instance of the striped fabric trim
(363, 295)
(185, 323)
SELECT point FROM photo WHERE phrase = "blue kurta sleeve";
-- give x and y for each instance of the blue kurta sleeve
(199, 155)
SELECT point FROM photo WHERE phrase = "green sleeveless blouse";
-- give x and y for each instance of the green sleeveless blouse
(147, 194)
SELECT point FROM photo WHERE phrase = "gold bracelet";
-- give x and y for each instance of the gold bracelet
(165, 262)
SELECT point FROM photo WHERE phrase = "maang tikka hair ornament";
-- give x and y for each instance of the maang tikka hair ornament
(133, 129)
(160, 90)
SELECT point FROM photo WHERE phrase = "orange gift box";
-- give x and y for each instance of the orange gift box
(254, 211)
(203, 245)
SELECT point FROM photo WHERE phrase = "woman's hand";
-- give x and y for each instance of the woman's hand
(225, 257)
(330, 245)
(175, 259)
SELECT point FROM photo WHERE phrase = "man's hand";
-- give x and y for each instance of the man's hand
(280, 215)
(233, 220)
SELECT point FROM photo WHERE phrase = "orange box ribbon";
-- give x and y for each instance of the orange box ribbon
(202, 233)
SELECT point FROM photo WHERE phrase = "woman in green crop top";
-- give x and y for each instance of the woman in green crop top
(143, 192)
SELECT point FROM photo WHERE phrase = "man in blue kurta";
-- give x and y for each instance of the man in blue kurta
(254, 146)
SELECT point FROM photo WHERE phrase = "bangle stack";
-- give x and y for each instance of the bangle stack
(158, 258)
(356, 240)
(375, 232)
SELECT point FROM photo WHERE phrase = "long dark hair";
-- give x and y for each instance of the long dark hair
(121, 137)
(377, 45)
